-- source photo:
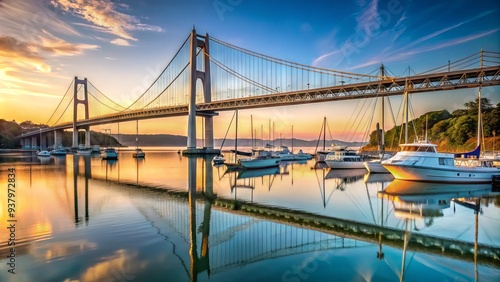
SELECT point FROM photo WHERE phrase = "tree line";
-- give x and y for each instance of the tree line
(452, 132)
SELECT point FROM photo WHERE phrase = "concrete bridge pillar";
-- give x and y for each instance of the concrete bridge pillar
(22, 143)
(76, 101)
(34, 144)
(87, 137)
(191, 138)
(204, 76)
(43, 141)
(58, 134)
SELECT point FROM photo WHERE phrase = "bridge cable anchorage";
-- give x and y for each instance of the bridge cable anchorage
(342, 74)
(246, 79)
(109, 99)
(60, 102)
(168, 65)
(90, 93)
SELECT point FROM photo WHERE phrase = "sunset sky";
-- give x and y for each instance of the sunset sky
(117, 44)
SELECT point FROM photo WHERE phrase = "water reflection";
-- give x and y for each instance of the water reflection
(198, 225)
(426, 201)
(87, 174)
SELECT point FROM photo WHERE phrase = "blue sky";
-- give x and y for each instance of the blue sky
(119, 44)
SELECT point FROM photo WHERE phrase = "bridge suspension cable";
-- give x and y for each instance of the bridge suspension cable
(294, 64)
(174, 70)
(102, 103)
(476, 60)
(104, 96)
(60, 102)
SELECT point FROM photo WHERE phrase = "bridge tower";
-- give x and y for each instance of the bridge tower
(202, 73)
(85, 102)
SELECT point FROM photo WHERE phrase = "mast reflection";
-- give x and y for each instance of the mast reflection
(426, 201)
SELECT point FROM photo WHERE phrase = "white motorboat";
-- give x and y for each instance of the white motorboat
(251, 163)
(285, 154)
(420, 161)
(58, 152)
(109, 154)
(43, 153)
(344, 159)
(302, 156)
(138, 153)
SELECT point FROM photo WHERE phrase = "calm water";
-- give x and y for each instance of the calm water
(169, 218)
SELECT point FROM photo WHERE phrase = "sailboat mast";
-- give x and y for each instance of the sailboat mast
(136, 133)
(269, 133)
(406, 110)
(324, 133)
(426, 124)
(251, 125)
(292, 139)
(382, 142)
(479, 117)
(236, 138)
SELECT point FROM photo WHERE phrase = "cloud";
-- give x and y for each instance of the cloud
(104, 17)
(27, 18)
(369, 19)
(21, 54)
(317, 61)
(120, 41)
(397, 55)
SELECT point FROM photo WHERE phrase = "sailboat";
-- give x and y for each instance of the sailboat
(286, 155)
(320, 156)
(138, 151)
(375, 166)
(420, 161)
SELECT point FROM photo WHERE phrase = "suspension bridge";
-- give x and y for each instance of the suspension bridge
(208, 75)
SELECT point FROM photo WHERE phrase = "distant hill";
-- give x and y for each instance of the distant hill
(152, 139)
(181, 141)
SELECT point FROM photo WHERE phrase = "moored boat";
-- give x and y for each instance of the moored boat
(43, 153)
(58, 152)
(138, 153)
(420, 161)
(344, 159)
(109, 154)
(219, 159)
(251, 163)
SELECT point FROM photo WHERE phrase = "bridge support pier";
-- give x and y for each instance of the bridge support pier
(87, 137)
(43, 141)
(76, 101)
(58, 134)
(34, 144)
(204, 76)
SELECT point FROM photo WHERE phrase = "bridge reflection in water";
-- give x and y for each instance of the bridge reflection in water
(224, 234)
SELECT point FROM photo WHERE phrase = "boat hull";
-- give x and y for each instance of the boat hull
(344, 165)
(375, 167)
(444, 175)
(259, 163)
